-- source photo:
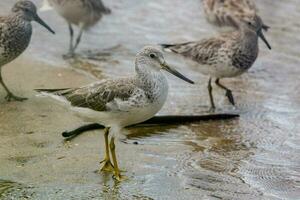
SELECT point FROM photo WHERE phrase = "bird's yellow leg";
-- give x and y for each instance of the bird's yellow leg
(107, 165)
(117, 173)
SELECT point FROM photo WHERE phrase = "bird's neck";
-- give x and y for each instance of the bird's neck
(249, 39)
(20, 16)
(19, 23)
(152, 81)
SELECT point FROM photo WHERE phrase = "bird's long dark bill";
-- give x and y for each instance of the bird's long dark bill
(176, 73)
(41, 22)
(261, 35)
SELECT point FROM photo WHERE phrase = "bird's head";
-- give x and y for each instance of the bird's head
(29, 12)
(255, 24)
(152, 58)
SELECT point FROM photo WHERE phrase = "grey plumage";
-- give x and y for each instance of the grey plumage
(85, 13)
(97, 96)
(226, 55)
(98, 6)
(223, 13)
(82, 13)
(15, 35)
(122, 102)
(141, 90)
(225, 48)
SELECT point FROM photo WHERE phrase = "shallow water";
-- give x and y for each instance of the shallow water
(254, 157)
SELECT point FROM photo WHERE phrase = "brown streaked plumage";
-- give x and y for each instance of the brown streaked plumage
(227, 55)
(82, 13)
(122, 102)
(15, 35)
(227, 13)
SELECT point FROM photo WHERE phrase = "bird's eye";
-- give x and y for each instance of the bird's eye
(152, 55)
(249, 23)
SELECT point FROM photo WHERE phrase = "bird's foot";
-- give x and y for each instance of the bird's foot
(119, 177)
(212, 109)
(69, 55)
(11, 97)
(230, 97)
(107, 166)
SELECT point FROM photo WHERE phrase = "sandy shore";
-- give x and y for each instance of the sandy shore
(32, 150)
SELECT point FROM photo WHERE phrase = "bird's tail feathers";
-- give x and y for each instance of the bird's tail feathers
(107, 11)
(265, 27)
(168, 47)
(175, 48)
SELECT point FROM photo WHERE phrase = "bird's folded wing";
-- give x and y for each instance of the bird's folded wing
(250, 5)
(202, 51)
(109, 95)
(3, 25)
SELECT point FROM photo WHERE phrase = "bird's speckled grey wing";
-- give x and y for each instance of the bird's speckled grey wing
(203, 52)
(1, 30)
(2, 19)
(108, 95)
(15, 35)
(3, 26)
(2, 40)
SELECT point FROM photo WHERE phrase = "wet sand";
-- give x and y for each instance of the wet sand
(253, 157)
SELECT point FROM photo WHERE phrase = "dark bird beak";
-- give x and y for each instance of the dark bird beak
(41, 22)
(261, 35)
(166, 67)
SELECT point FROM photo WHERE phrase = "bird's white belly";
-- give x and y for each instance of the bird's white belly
(138, 115)
(122, 118)
(221, 69)
(72, 12)
(133, 116)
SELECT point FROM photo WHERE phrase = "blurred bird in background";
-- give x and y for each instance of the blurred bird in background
(81, 13)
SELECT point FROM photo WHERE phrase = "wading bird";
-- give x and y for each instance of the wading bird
(121, 102)
(82, 13)
(15, 35)
(224, 56)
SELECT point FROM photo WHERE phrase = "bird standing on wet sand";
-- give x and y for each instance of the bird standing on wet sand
(225, 13)
(227, 55)
(82, 13)
(122, 102)
(15, 35)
